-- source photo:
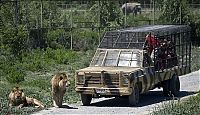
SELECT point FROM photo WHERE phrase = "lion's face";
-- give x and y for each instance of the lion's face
(17, 95)
(64, 80)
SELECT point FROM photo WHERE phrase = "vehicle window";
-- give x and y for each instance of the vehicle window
(100, 59)
(111, 58)
(135, 61)
(124, 59)
(116, 58)
(125, 55)
(124, 63)
(129, 59)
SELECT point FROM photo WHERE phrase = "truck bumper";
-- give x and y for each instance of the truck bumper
(104, 91)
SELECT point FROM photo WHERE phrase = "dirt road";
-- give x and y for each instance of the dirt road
(190, 84)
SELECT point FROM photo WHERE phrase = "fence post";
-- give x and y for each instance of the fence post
(41, 8)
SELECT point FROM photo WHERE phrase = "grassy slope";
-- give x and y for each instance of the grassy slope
(188, 107)
(37, 84)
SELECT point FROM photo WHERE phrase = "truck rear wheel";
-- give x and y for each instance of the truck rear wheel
(86, 99)
(171, 87)
(134, 97)
(174, 85)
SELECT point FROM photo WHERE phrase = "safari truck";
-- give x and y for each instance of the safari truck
(132, 61)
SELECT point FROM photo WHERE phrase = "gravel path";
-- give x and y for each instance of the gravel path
(190, 84)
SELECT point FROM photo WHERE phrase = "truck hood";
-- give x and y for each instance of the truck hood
(109, 69)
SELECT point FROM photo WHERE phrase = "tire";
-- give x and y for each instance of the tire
(171, 87)
(174, 85)
(165, 86)
(86, 99)
(134, 97)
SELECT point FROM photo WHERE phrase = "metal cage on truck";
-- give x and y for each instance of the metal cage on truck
(134, 60)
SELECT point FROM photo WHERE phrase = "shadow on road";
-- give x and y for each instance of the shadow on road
(68, 107)
(149, 98)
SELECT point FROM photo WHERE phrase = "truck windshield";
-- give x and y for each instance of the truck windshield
(129, 58)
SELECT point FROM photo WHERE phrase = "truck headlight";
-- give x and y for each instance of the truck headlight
(80, 79)
(126, 79)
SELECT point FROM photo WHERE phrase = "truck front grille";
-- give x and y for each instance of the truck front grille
(101, 79)
(93, 79)
(111, 80)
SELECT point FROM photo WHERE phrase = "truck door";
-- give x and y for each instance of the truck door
(149, 77)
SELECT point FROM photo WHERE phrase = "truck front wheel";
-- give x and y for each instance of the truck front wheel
(86, 99)
(134, 97)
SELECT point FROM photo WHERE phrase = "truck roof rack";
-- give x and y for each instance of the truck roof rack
(135, 37)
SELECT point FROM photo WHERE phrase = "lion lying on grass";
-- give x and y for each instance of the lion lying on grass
(18, 98)
(59, 83)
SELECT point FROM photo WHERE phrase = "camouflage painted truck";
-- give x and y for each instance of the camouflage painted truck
(132, 61)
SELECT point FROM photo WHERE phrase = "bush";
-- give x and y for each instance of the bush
(195, 64)
(36, 61)
(40, 83)
(58, 38)
(15, 76)
(61, 56)
(13, 73)
(85, 39)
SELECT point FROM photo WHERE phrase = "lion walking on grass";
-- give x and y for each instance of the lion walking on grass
(59, 83)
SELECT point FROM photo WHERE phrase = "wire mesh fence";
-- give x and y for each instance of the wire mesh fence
(72, 21)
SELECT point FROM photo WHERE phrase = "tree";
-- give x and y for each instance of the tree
(110, 14)
(175, 12)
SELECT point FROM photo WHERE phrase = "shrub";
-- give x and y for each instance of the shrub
(61, 56)
(15, 77)
(195, 64)
(40, 83)
(14, 74)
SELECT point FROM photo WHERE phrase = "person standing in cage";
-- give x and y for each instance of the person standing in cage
(164, 54)
(151, 43)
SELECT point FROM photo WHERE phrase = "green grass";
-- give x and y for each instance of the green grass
(187, 107)
(39, 88)
(34, 72)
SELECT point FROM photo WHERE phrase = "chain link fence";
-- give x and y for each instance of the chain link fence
(77, 25)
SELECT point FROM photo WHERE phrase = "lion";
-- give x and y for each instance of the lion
(59, 83)
(18, 98)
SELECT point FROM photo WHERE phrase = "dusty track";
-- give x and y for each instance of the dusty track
(190, 84)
